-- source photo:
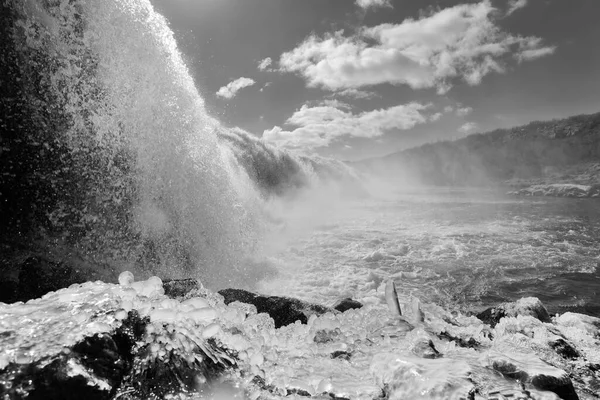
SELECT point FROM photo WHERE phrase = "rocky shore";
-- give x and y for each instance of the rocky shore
(559, 190)
(175, 339)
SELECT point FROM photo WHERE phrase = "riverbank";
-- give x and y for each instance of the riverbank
(178, 339)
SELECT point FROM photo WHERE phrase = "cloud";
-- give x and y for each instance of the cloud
(530, 49)
(233, 87)
(266, 85)
(463, 111)
(365, 4)
(457, 43)
(468, 127)
(435, 117)
(514, 5)
(356, 94)
(264, 64)
(320, 125)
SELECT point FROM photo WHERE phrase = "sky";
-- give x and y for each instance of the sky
(354, 79)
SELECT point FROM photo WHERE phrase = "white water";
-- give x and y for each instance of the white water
(123, 87)
(463, 250)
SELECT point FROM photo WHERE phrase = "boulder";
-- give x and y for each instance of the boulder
(178, 288)
(283, 310)
(347, 304)
(92, 369)
(531, 306)
(529, 370)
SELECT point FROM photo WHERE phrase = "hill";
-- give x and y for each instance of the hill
(541, 152)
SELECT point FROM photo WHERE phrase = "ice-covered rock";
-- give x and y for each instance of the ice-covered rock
(527, 370)
(347, 304)
(131, 341)
(283, 310)
(526, 306)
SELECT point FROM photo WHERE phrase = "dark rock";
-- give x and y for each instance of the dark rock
(114, 364)
(467, 343)
(540, 377)
(92, 369)
(347, 304)
(283, 310)
(491, 316)
(562, 386)
(299, 392)
(531, 306)
(38, 276)
(564, 348)
(425, 349)
(177, 288)
(326, 335)
(9, 291)
(341, 354)
(510, 370)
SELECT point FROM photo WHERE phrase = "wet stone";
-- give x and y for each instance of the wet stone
(347, 304)
(425, 349)
(564, 349)
(283, 310)
(178, 288)
(344, 355)
(491, 316)
(326, 335)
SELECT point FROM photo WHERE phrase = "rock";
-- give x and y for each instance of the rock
(38, 276)
(529, 370)
(424, 348)
(341, 354)
(564, 348)
(559, 190)
(466, 343)
(92, 369)
(347, 304)
(327, 335)
(178, 288)
(121, 363)
(561, 385)
(9, 291)
(283, 310)
(491, 316)
(531, 306)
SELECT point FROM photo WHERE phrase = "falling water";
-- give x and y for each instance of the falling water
(111, 150)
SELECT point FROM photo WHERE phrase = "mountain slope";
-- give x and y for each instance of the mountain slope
(539, 152)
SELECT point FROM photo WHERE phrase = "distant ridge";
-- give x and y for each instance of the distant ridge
(561, 150)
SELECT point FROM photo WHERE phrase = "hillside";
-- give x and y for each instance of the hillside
(565, 150)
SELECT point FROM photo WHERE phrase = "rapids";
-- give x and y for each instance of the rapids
(110, 155)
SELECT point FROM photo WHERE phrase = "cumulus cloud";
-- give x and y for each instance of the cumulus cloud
(365, 4)
(265, 63)
(514, 5)
(463, 111)
(468, 127)
(229, 91)
(320, 125)
(435, 117)
(356, 94)
(457, 43)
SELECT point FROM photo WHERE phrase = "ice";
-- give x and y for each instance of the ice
(353, 354)
(126, 278)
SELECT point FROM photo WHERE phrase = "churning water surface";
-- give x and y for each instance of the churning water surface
(458, 248)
